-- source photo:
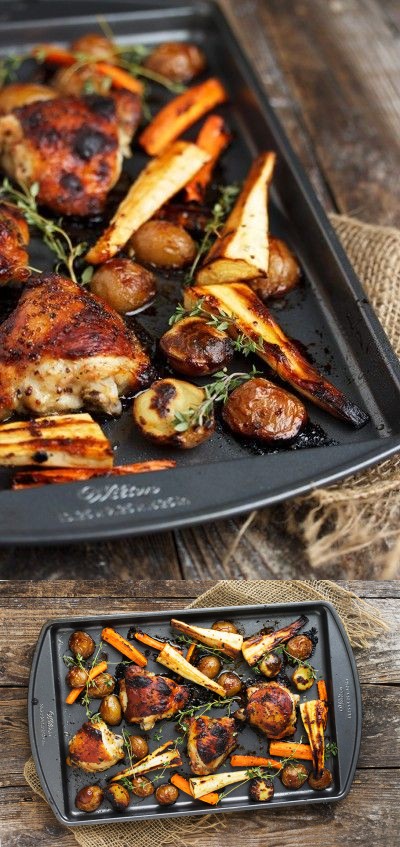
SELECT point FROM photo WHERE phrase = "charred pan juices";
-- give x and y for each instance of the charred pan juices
(186, 696)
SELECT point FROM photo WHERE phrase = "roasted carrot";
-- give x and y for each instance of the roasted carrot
(190, 651)
(149, 640)
(75, 692)
(30, 479)
(180, 113)
(53, 55)
(213, 137)
(290, 748)
(120, 78)
(239, 761)
(183, 784)
(322, 692)
(116, 640)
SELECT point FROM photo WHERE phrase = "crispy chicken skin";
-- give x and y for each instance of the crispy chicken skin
(72, 147)
(95, 748)
(271, 708)
(14, 239)
(209, 743)
(147, 697)
(63, 349)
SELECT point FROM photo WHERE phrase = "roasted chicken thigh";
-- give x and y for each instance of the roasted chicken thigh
(63, 349)
(209, 743)
(14, 239)
(147, 697)
(72, 147)
(271, 708)
(95, 748)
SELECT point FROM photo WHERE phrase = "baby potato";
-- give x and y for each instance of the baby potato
(89, 798)
(94, 46)
(261, 790)
(77, 677)
(259, 409)
(163, 244)
(195, 348)
(102, 685)
(167, 794)
(224, 626)
(118, 796)
(300, 647)
(294, 775)
(110, 710)
(210, 666)
(142, 786)
(139, 746)
(177, 61)
(231, 683)
(270, 665)
(80, 81)
(303, 677)
(19, 94)
(123, 284)
(81, 644)
(319, 783)
(283, 271)
(155, 413)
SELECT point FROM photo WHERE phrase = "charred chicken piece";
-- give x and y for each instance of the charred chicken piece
(63, 349)
(19, 94)
(95, 748)
(209, 743)
(195, 348)
(259, 409)
(14, 239)
(271, 708)
(71, 147)
(147, 697)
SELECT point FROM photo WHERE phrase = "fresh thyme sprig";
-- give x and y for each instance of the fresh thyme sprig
(221, 321)
(54, 236)
(331, 749)
(215, 392)
(85, 696)
(184, 714)
(294, 661)
(219, 213)
(74, 661)
(9, 66)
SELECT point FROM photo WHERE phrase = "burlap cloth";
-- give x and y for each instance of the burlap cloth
(363, 624)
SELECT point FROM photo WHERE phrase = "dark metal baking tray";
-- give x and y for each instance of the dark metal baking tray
(51, 723)
(329, 313)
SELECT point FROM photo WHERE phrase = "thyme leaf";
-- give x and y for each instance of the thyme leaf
(212, 229)
(215, 392)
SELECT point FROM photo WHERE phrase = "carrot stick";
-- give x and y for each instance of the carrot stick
(190, 652)
(182, 783)
(213, 137)
(291, 748)
(116, 640)
(30, 479)
(54, 55)
(119, 77)
(322, 692)
(180, 113)
(75, 692)
(239, 761)
(151, 642)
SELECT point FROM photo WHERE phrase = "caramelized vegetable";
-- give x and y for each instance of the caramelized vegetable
(94, 46)
(31, 479)
(172, 659)
(155, 413)
(75, 692)
(77, 677)
(61, 441)
(225, 626)
(210, 666)
(123, 284)
(139, 747)
(259, 409)
(294, 775)
(195, 348)
(231, 683)
(100, 686)
(283, 271)
(213, 137)
(258, 645)
(184, 785)
(303, 677)
(214, 782)
(319, 783)
(118, 796)
(227, 642)
(313, 714)
(291, 748)
(163, 244)
(110, 710)
(261, 790)
(300, 647)
(81, 644)
(167, 794)
(142, 786)
(242, 761)
(160, 758)
(116, 640)
(270, 665)
(177, 61)
(89, 798)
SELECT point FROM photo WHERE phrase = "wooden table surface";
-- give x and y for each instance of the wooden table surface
(368, 817)
(331, 69)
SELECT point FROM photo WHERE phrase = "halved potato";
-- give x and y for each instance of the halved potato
(156, 413)
(195, 348)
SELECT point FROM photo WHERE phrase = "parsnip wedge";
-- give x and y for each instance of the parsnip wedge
(259, 645)
(160, 758)
(227, 642)
(314, 715)
(60, 476)
(159, 181)
(172, 659)
(214, 782)
(242, 250)
(253, 319)
(62, 441)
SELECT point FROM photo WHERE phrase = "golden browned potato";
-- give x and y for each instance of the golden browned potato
(230, 682)
(167, 794)
(300, 647)
(162, 244)
(77, 81)
(139, 746)
(94, 46)
(177, 61)
(102, 685)
(194, 348)
(303, 678)
(110, 710)
(156, 413)
(81, 644)
(225, 626)
(294, 775)
(259, 409)
(261, 790)
(270, 665)
(210, 666)
(123, 284)
(283, 271)
(118, 796)
(89, 798)
(19, 94)
(142, 786)
(77, 677)
(319, 783)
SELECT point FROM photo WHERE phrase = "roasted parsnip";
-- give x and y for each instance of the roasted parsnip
(242, 249)
(34, 478)
(172, 659)
(227, 642)
(159, 181)
(156, 413)
(258, 645)
(215, 781)
(160, 758)
(252, 319)
(313, 714)
(62, 441)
